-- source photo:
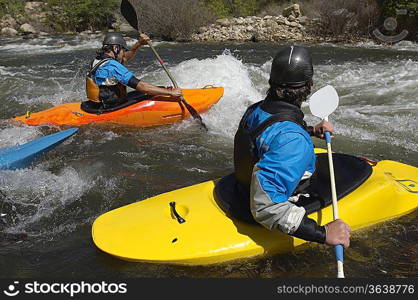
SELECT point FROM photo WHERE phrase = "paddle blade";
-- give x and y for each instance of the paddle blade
(129, 13)
(194, 113)
(324, 102)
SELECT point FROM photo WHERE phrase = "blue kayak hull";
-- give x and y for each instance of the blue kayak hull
(21, 156)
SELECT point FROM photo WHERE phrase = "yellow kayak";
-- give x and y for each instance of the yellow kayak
(188, 226)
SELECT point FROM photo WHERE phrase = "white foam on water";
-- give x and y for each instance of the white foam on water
(400, 46)
(43, 84)
(35, 194)
(63, 96)
(387, 88)
(377, 100)
(140, 166)
(26, 48)
(46, 204)
(109, 135)
(375, 78)
(392, 124)
(103, 135)
(18, 135)
(196, 170)
(5, 71)
(260, 75)
(379, 95)
(226, 71)
(155, 43)
(51, 45)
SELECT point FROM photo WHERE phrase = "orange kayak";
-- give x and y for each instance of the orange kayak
(158, 110)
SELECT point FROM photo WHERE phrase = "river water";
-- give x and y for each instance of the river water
(56, 200)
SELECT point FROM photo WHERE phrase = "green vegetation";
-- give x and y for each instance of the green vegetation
(75, 15)
(11, 7)
(69, 15)
(244, 7)
(236, 8)
(218, 8)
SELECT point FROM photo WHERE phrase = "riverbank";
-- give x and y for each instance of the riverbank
(248, 29)
(289, 27)
(270, 29)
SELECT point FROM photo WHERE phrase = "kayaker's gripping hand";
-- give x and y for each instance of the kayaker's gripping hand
(321, 128)
(338, 233)
(143, 39)
(177, 93)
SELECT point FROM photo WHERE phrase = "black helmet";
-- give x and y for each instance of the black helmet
(291, 67)
(115, 38)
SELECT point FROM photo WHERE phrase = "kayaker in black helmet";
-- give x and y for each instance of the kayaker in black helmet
(274, 156)
(107, 79)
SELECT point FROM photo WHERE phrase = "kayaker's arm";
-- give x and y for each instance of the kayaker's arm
(271, 190)
(142, 40)
(152, 90)
(275, 178)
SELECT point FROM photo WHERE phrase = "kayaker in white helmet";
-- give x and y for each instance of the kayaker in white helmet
(108, 78)
(274, 156)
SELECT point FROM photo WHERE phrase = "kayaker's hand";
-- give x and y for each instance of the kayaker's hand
(176, 93)
(143, 39)
(322, 127)
(338, 233)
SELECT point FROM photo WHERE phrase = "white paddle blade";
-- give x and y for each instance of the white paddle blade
(324, 102)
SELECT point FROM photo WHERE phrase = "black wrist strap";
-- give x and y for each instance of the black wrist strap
(309, 230)
(133, 82)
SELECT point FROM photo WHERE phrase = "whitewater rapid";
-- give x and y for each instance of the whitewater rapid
(378, 108)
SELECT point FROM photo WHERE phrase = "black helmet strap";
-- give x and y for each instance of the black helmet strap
(116, 53)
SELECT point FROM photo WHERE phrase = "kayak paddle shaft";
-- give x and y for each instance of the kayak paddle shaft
(339, 251)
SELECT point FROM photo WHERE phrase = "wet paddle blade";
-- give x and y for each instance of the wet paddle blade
(194, 113)
(129, 13)
(324, 102)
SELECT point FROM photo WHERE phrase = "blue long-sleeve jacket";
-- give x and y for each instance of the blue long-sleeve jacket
(286, 155)
(112, 69)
